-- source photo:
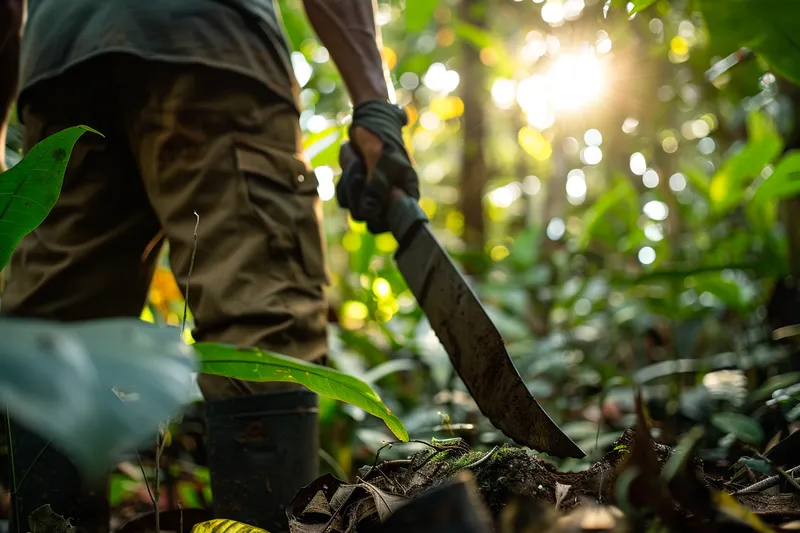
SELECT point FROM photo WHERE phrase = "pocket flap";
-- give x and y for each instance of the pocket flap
(281, 167)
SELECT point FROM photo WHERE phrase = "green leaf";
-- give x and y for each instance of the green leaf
(765, 26)
(782, 183)
(323, 148)
(743, 427)
(623, 191)
(728, 291)
(763, 145)
(258, 365)
(418, 14)
(774, 383)
(525, 248)
(29, 190)
(682, 453)
(96, 388)
(639, 5)
(698, 179)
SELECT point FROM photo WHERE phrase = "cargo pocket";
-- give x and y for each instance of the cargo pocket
(283, 193)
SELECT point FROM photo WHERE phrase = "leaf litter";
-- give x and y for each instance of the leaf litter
(640, 485)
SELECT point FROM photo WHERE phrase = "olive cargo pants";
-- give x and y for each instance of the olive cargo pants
(178, 139)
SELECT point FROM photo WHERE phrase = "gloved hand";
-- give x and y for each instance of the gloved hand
(382, 163)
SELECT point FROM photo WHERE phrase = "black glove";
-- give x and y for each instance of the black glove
(368, 201)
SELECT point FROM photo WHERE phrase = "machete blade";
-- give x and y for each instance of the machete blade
(475, 347)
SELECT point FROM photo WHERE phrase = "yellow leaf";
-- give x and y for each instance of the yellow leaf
(729, 505)
(222, 525)
(147, 315)
(447, 107)
(412, 114)
(164, 283)
(533, 142)
(390, 57)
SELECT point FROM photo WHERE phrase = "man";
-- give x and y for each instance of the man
(198, 107)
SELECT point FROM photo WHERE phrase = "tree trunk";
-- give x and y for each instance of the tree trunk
(474, 94)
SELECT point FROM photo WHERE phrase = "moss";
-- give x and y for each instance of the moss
(507, 451)
(467, 459)
(438, 457)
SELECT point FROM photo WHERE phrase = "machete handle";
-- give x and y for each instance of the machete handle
(403, 212)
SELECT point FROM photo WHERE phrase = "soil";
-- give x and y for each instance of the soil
(506, 473)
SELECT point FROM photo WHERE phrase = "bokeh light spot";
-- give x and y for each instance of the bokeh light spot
(650, 178)
(556, 229)
(647, 255)
(381, 288)
(499, 253)
(677, 182)
(656, 210)
(638, 164)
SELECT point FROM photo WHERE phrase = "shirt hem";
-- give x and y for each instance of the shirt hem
(52, 74)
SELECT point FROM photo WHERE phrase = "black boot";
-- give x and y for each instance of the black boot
(261, 450)
(45, 476)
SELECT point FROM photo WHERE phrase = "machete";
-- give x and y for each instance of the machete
(474, 345)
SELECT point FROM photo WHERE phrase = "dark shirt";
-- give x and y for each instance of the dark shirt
(244, 36)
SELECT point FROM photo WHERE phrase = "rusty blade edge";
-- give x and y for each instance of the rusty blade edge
(475, 347)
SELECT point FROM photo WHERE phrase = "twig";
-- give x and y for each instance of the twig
(481, 460)
(33, 463)
(786, 332)
(336, 511)
(12, 467)
(188, 278)
(387, 478)
(390, 444)
(161, 442)
(377, 456)
(770, 482)
(789, 479)
(180, 530)
(144, 475)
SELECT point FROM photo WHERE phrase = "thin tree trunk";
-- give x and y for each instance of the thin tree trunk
(790, 207)
(474, 94)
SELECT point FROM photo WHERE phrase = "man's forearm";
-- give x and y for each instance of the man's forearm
(347, 29)
(11, 20)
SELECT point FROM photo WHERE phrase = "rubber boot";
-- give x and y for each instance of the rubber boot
(261, 450)
(45, 476)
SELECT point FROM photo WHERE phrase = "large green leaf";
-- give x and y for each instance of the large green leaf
(258, 365)
(763, 146)
(765, 26)
(418, 14)
(741, 426)
(97, 389)
(29, 190)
